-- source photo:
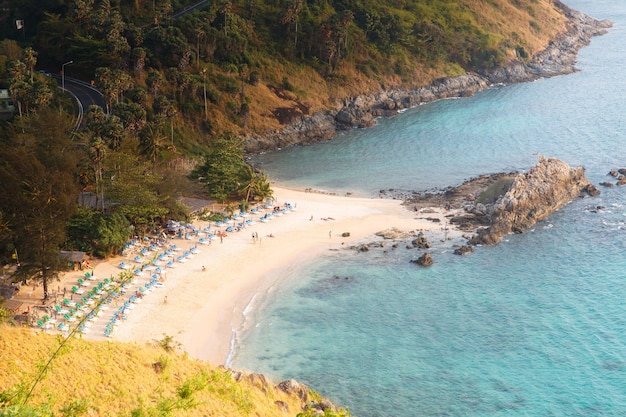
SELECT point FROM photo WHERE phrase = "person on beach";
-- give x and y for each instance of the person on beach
(330, 234)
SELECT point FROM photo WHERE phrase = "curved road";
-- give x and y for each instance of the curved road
(191, 9)
(85, 93)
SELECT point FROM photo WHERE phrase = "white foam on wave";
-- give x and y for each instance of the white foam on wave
(231, 348)
(249, 306)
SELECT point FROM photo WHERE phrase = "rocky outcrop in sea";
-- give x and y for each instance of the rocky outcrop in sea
(361, 111)
(532, 197)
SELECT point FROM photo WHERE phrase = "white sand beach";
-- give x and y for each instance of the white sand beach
(202, 309)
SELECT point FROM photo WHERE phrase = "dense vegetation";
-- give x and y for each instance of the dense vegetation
(181, 89)
(253, 58)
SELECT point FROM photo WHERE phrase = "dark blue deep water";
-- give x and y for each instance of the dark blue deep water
(535, 326)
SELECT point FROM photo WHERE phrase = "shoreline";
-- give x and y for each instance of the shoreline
(558, 58)
(206, 311)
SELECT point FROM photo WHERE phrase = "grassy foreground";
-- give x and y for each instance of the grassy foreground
(121, 379)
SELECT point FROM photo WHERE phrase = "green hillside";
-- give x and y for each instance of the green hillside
(265, 62)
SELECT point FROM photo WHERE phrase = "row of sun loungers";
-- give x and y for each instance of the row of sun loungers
(121, 314)
(94, 296)
(83, 310)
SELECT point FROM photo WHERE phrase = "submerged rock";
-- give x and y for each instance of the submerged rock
(421, 242)
(394, 233)
(424, 260)
(463, 250)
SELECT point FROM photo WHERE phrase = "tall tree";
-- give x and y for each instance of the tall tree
(138, 57)
(152, 141)
(97, 153)
(131, 186)
(224, 167)
(18, 84)
(166, 109)
(41, 182)
(30, 59)
(290, 17)
(153, 82)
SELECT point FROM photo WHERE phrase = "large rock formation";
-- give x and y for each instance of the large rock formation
(558, 58)
(532, 197)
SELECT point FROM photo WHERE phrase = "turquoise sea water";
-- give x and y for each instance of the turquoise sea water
(535, 326)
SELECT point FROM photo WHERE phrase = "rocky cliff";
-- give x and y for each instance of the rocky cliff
(532, 197)
(558, 58)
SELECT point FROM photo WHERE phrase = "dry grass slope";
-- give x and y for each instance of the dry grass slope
(531, 24)
(112, 379)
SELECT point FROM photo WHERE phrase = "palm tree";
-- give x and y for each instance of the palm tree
(17, 83)
(154, 81)
(97, 152)
(248, 182)
(254, 184)
(231, 208)
(30, 59)
(152, 141)
(41, 94)
(263, 188)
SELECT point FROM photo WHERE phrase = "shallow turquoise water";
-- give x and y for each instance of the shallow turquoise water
(535, 326)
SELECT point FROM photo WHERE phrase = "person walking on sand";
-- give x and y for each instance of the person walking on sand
(330, 234)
